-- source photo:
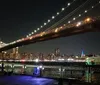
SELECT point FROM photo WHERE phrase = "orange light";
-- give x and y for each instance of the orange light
(88, 19)
(56, 30)
(31, 38)
(42, 33)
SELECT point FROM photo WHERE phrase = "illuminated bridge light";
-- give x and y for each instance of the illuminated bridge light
(56, 30)
(41, 26)
(79, 15)
(57, 13)
(42, 33)
(35, 31)
(32, 32)
(85, 11)
(48, 20)
(64, 24)
(31, 38)
(38, 28)
(68, 21)
(45, 23)
(53, 17)
(63, 9)
(88, 19)
(74, 18)
(78, 24)
(92, 6)
(68, 4)
(29, 34)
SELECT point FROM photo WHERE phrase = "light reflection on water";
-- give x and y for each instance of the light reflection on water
(25, 80)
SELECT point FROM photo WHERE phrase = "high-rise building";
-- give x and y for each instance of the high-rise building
(82, 54)
(57, 52)
(15, 52)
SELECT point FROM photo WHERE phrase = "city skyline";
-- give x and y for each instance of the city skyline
(25, 17)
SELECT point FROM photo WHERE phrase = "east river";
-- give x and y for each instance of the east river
(25, 80)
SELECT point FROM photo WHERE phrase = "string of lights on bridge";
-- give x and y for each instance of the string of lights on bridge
(86, 11)
(49, 20)
(79, 15)
(67, 16)
(74, 18)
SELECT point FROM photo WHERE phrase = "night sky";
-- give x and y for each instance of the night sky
(18, 18)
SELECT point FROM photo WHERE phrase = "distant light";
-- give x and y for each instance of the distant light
(74, 18)
(61, 27)
(29, 34)
(64, 24)
(87, 58)
(25, 66)
(48, 20)
(32, 32)
(70, 59)
(17, 47)
(76, 56)
(31, 38)
(88, 19)
(63, 9)
(78, 24)
(45, 23)
(63, 69)
(68, 4)
(23, 60)
(40, 66)
(38, 28)
(59, 69)
(57, 13)
(99, 1)
(1, 42)
(85, 11)
(61, 59)
(53, 17)
(56, 30)
(92, 6)
(68, 21)
(35, 31)
(79, 15)
(5, 52)
(41, 26)
(36, 60)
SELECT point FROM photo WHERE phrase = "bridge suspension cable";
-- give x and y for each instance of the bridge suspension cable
(49, 20)
(85, 11)
(67, 16)
(70, 14)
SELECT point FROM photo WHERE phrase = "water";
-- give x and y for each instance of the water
(25, 80)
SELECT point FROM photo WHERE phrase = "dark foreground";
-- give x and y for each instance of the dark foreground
(25, 80)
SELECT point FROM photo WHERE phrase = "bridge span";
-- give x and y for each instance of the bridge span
(52, 34)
